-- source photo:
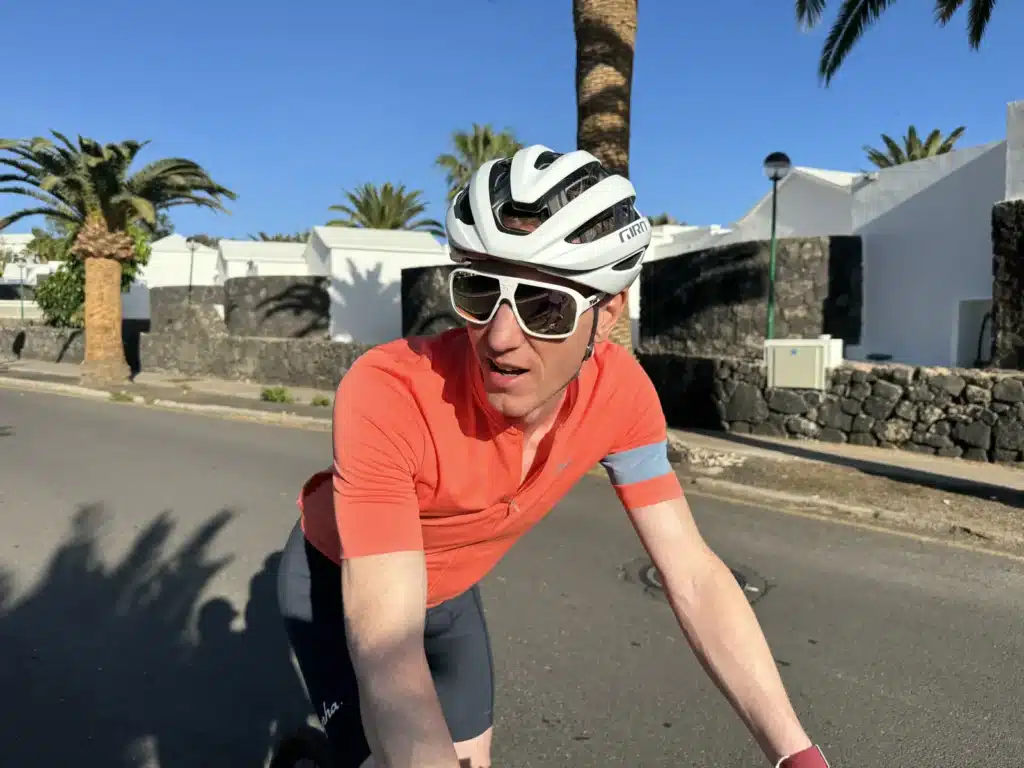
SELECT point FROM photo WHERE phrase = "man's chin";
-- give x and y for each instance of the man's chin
(511, 406)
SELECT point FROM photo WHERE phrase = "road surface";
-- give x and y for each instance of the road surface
(138, 622)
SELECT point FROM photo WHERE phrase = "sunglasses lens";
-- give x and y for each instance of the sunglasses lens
(546, 311)
(474, 296)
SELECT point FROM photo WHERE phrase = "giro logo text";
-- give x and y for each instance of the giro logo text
(632, 231)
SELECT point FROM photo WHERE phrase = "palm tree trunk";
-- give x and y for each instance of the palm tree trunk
(104, 349)
(605, 43)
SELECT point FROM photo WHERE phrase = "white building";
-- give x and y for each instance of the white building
(172, 261)
(365, 269)
(927, 237)
(14, 243)
(253, 258)
(926, 233)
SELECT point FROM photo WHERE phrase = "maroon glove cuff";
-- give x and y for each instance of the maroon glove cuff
(806, 758)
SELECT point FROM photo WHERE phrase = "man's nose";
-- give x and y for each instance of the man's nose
(503, 332)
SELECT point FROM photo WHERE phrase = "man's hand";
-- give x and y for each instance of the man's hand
(721, 628)
(385, 610)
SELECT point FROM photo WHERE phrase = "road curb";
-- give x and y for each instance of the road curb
(9, 382)
(249, 414)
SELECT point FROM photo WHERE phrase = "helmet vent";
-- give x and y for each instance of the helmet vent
(606, 222)
(546, 159)
(629, 262)
(463, 210)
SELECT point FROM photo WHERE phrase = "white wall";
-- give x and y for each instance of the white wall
(235, 267)
(1014, 151)
(317, 257)
(366, 278)
(366, 292)
(15, 242)
(806, 207)
(170, 263)
(926, 229)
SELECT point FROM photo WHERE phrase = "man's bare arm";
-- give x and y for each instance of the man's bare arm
(720, 626)
(385, 609)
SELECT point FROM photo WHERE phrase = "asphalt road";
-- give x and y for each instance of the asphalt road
(138, 624)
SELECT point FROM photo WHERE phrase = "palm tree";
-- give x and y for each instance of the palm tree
(298, 237)
(605, 43)
(913, 148)
(89, 185)
(473, 150)
(386, 207)
(855, 16)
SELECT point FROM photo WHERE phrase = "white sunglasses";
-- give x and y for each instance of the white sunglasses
(543, 310)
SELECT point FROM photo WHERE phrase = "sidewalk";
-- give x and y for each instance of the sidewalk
(166, 389)
(954, 500)
(979, 503)
(910, 466)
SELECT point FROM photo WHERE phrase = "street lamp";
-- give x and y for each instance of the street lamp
(192, 245)
(776, 166)
(21, 285)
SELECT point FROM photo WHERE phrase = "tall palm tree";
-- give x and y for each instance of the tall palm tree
(855, 16)
(91, 187)
(605, 44)
(473, 150)
(298, 237)
(913, 148)
(385, 207)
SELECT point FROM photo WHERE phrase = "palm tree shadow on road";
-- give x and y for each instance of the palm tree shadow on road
(113, 665)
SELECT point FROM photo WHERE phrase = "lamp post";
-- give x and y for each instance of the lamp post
(21, 286)
(192, 245)
(776, 166)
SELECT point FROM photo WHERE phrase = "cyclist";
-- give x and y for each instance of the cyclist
(448, 448)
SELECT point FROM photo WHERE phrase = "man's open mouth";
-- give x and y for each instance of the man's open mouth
(505, 370)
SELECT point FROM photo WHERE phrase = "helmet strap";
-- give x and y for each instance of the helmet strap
(590, 347)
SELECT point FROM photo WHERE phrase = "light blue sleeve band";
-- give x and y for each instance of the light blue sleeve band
(638, 464)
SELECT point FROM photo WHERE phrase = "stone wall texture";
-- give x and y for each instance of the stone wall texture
(168, 303)
(426, 309)
(277, 307)
(972, 414)
(715, 302)
(35, 341)
(1008, 284)
(194, 346)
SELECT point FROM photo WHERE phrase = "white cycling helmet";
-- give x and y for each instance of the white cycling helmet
(590, 232)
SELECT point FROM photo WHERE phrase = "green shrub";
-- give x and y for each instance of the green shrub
(277, 395)
(321, 401)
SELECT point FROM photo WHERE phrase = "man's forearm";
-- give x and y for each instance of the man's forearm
(725, 635)
(402, 716)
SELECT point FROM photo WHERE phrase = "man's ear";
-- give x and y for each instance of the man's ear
(608, 314)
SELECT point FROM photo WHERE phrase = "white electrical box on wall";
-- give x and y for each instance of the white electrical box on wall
(802, 363)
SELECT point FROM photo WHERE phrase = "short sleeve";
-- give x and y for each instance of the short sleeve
(379, 439)
(637, 463)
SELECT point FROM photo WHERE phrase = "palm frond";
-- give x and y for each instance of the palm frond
(855, 16)
(808, 12)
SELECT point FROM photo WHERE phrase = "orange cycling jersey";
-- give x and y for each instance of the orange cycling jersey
(423, 462)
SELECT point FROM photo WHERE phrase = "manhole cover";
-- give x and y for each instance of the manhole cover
(653, 578)
(753, 585)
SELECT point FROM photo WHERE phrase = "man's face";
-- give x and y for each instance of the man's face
(543, 367)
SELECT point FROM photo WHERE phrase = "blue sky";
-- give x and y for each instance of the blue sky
(291, 104)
